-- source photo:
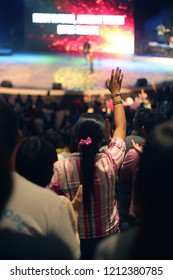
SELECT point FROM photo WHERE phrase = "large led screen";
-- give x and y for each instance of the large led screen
(64, 25)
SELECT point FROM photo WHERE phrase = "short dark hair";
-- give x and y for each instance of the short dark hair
(5, 175)
(153, 119)
(140, 117)
(34, 160)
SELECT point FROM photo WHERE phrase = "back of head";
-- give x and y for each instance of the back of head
(154, 192)
(8, 126)
(52, 137)
(92, 126)
(5, 175)
(152, 119)
(139, 119)
(34, 160)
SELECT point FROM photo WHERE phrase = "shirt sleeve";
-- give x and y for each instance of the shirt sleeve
(130, 162)
(54, 183)
(116, 152)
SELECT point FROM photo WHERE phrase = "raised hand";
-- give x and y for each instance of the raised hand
(114, 83)
(77, 200)
(139, 149)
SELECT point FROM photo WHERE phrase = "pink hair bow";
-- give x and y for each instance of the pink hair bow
(88, 141)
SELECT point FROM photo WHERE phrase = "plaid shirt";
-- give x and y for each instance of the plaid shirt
(104, 218)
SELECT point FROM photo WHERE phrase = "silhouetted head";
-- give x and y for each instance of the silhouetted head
(139, 119)
(5, 174)
(152, 119)
(52, 136)
(35, 159)
(154, 188)
(8, 126)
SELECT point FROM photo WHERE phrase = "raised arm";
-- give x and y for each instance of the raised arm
(114, 86)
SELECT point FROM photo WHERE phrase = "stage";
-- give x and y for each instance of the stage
(37, 72)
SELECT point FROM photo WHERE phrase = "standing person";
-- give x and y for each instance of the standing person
(34, 161)
(152, 238)
(86, 49)
(16, 245)
(125, 189)
(161, 30)
(30, 209)
(137, 133)
(96, 170)
(91, 59)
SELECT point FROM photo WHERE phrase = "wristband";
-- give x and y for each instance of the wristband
(117, 102)
(115, 95)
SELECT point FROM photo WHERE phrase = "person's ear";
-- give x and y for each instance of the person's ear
(19, 137)
(143, 130)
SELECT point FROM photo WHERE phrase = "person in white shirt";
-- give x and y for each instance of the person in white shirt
(31, 209)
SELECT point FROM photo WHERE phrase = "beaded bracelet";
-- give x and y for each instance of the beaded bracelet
(117, 102)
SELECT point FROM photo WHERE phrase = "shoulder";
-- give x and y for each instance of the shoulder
(132, 154)
(69, 157)
(117, 246)
(37, 195)
(116, 144)
(32, 247)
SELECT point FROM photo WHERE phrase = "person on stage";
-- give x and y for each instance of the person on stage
(91, 60)
(86, 49)
(161, 30)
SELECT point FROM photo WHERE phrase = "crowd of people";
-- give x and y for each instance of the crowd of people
(85, 178)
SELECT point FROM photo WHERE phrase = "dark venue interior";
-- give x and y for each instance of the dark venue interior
(86, 98)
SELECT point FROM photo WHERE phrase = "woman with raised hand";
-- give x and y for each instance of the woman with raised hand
(96, 169)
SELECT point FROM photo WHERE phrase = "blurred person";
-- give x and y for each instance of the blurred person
(53, 137)
(30, 209)
(86, 49)
(137, 133)
(68, 144)
(34, 161)
(91, 60)
(151, 239)
(161, 31)
(16, 245)
(144, 99)
(147, 119)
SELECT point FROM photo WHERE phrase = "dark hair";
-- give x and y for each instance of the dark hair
(8, 134)
(154, 189)
(8, 125)
(5, 174)
(139, 118)
(34, 160)
(93, 126)
(52, 136)
(152, 119)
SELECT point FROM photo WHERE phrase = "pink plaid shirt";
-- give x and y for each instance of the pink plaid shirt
(104, 218)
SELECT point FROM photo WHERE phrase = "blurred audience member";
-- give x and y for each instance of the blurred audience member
(152, 238)
(30, 209)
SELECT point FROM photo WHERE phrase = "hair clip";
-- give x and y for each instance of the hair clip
(88, 141)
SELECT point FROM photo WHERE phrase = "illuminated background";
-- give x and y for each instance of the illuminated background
(105, 36)
(16, 23)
